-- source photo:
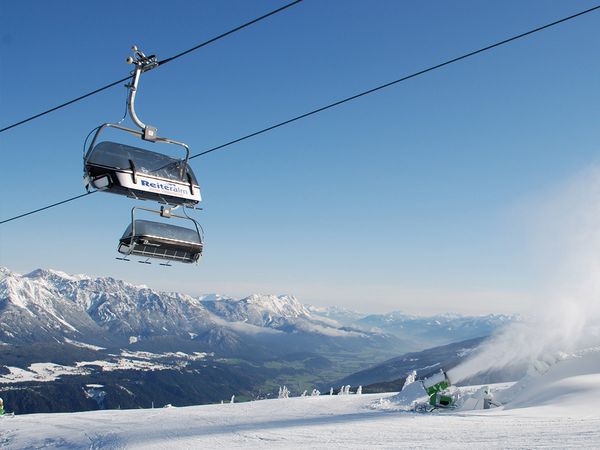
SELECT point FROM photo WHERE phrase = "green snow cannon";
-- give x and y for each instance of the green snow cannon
(435, 386)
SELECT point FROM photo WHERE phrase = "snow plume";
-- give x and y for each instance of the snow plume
(567, 316)
(410, 378)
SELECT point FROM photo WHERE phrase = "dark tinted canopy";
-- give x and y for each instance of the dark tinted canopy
(117, 156)
(162, 230)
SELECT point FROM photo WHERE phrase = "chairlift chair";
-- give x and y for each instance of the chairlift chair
(164, 241)
(136, 172)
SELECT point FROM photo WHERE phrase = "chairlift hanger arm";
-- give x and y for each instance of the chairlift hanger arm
(131, 100)
(142, 63)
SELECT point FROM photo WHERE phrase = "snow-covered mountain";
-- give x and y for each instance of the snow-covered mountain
(52, 305)
(261, 310)
(49, 304)
(343, 316)
(422, 331)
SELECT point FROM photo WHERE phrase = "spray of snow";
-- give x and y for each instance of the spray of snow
(410, 378)
(567, 317)
(412, 393)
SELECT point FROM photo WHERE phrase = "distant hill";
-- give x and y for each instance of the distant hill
(390, 375)
(433, 330)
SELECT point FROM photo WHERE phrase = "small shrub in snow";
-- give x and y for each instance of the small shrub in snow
(232, 399)
(344, 390)
(283, 392)
(330, 391)
(359, 390)
(303, 394)
(315, 392)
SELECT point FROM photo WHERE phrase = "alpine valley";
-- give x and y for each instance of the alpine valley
(74, 343)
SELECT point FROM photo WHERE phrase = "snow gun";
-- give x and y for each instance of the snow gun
(436, 387)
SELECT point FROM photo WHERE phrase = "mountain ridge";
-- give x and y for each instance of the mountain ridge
(51, 304)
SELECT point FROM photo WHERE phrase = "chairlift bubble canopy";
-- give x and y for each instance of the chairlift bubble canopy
(140, 173)
(160, 240)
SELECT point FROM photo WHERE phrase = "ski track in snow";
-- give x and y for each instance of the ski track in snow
(310, 422)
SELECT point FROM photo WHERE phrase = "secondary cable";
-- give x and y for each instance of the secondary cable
(391, 83)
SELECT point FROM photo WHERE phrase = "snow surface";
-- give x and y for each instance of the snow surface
(557, 409)
(128, 360)
(195, 356)
(40, 372)
(83, 345)
(124, 364)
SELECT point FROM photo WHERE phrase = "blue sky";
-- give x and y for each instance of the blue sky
(416, 198)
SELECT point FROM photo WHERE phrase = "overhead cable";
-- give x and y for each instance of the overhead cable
(62, 202)
(161, 63)
(353, 97)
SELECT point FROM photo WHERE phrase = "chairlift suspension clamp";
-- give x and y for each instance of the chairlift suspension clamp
(141, 60)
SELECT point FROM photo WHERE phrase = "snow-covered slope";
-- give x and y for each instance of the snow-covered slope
(572, 384)
(560, 411)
